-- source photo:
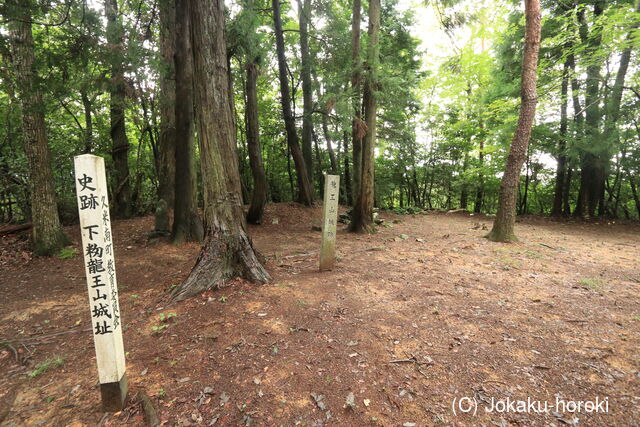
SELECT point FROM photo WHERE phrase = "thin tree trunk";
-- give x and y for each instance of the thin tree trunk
(362, 217)
(566, 205)
(304, 15)
(327, 137)
(228, 251)
(88, 122)
(305, 192)
(167, 139)
(121, 199)
(187, 225)
(260, 189)
(505, 217)
(320, 176)
(634, 191)
(561, 169)
(357, 126)
(464, 192)
(47, 235)
(347, 172)
(477, 208)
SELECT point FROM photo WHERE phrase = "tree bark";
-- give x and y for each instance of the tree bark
(167, 138)
(187, 225)
(304, 13)
(477, 208)
(362, 216)
(634, 191)
(503, 225)
(260, 188)
(348, 188)
(47, 235)
(357, 126)
(228, 251)
(121, 199)
(592, 173)
(305, 192)
(561, 169)
(88, 122)
(327, 136)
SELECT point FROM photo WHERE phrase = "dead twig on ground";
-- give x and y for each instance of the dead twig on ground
(40, 337)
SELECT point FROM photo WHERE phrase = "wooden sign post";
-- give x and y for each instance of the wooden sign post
(97, 247)
(329, 221)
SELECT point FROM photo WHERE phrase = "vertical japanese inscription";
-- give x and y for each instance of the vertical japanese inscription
(329, 222)
(97, 244)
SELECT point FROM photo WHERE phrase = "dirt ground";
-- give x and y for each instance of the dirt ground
(423, 312)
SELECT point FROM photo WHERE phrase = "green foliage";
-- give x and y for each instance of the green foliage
(164, 322)
(43, 367)
(593, 284)
(446, 113)
(67, 253)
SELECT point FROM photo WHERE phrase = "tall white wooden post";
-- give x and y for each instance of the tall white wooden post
(97, 247)
(329, 221)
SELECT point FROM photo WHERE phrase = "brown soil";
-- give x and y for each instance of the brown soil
(422, 312)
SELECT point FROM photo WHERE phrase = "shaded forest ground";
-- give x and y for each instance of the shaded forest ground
(557, 314)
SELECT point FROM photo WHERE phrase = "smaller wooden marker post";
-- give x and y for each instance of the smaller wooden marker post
(329, 222)
(97, 247)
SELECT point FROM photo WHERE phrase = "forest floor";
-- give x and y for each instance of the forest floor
(423, 312)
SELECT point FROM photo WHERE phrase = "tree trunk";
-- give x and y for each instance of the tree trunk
(634, 191)
(88, 122)
(121, 199)
(260, 189)
(566, 205)
(305, 192)
(357, 127)
(592, 174)
(347, 173)
(464, 191)
(304, 15)
(332, 155)
(477, 208)
(362, 217)
(187, 226)
(167, 144)
(561, 169)
(228, 251)
(47, 235)
(503, 225)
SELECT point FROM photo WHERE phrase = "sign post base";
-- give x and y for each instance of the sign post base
(114, 395)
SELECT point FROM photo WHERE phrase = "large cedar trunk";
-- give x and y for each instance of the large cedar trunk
(167, 138)
(260, 189)
(503, 225)
(187, 226)
(561, 170)
(304, 9)
(121, 199)
(47, 235)
(305, 192)
(357, 125)
(228, 251)
(362, 216)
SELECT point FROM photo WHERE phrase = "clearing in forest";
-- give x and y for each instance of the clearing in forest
(421, 313)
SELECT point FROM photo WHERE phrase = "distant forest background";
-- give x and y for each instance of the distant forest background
(444, 125)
